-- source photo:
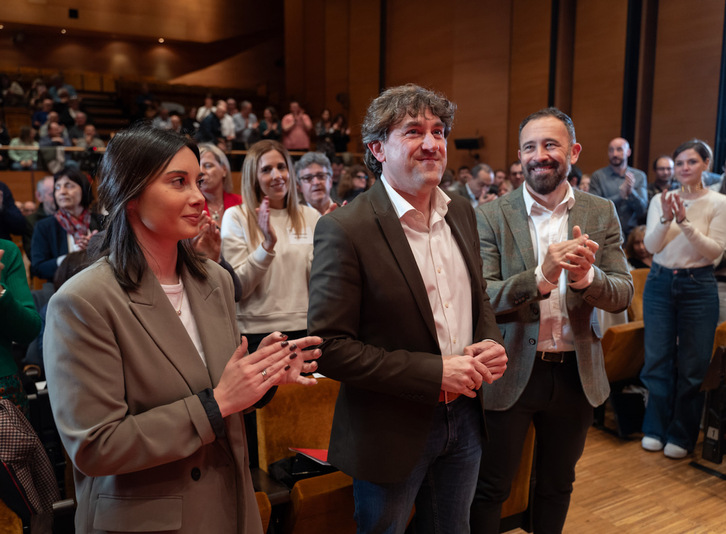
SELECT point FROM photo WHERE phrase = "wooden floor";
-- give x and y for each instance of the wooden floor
(621, 488)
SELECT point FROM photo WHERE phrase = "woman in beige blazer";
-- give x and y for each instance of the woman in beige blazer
(145, 374)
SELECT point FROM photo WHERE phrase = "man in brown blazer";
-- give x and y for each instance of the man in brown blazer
(397, 294)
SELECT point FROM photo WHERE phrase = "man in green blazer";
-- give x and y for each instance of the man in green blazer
(551, 255)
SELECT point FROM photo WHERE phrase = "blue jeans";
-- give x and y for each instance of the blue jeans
(680, 310)
(441, 484)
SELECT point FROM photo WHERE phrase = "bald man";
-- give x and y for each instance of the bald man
(625, 186)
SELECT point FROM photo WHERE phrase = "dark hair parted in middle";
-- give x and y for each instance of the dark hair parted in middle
(133, 160)
(391, 106)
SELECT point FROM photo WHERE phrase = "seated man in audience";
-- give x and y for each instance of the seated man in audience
(51, 155)
(76, 131)
(296, 128)
(53, 117)
(90, 138)
(210, 129)
(56, 85)
(314, 178)
(477, 187)
(245, 124)
(665, 179)
(46, 207)
(40, 117)
(11, 219)
(516, 175)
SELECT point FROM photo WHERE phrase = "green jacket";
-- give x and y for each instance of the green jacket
(19, 320)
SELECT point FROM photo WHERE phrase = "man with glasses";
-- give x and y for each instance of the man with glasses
(314, 179)
(664, 177)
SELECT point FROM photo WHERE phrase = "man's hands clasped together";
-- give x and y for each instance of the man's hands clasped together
(481, 362)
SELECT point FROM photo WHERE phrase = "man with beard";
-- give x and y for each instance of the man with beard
(550, 256)
(625, 186)
(314, 178)
(664, 176)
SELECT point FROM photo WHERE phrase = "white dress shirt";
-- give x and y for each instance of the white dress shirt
(546, 228)
(442, 268)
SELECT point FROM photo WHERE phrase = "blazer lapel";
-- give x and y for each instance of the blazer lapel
(515, 213)
(155, 313)
(207, 301)
(398, 244)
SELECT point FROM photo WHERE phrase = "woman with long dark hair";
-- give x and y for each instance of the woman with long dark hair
(146, 375)
(686, 233)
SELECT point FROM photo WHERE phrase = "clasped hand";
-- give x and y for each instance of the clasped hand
(672, 205)
(277, 361)
(481, 362)
(576, 255)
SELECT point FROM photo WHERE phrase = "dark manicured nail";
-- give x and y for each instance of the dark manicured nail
(284, 343)
(283, 336)
(293, 347)
(293, 355)
(287, 368)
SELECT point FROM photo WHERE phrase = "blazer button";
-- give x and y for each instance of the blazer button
(196, 473)
(532, 341)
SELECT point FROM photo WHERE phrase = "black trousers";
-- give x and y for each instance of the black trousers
(553, 399)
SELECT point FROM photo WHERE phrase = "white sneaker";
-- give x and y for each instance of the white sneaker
(651, 444)
(674, 451)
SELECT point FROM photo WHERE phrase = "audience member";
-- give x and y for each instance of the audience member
(665, 179)
(57, 85)
(51, 156)
(210, 129)
(551, 255)
(269, 127)
(314, 178)
(11, 219)
(499, 176)
(27, 208)
(246, 125)
(216, 182)
(43, 131)
(68, 115)
(40, 117)
(79, 125)
(206, 109)
(69, 229)
(638, 256)
(324, 125)
(19, 321)
(340, 134)
(516, 174)
(145, 376)
(37, 93)
(11, 92)
(686, 233)
(574, 177)
(338, 166)
(623, 185)
(44, 190)
(353, 182)
(162, 119)
(90, 138)
(144, 100)
(505, 187)
(189, 122)
(585, 183)
(401, 353)
(478, 184)
(268, 240)
(296, 128)
(463, 174)
(23, 160)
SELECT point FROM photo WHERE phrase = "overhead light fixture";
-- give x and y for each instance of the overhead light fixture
(63, 31)
(161, 40)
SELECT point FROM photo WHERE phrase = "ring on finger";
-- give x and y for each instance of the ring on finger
(264, 374)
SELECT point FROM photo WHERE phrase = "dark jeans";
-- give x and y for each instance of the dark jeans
(680, 310)
(441, 484)
(555, 402)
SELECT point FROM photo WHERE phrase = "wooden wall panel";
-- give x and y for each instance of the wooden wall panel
(529, 65)
(480, 79)
(687, 66)
(597, 92)
(336, 56)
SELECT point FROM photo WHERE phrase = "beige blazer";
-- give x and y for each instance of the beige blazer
(123, 375)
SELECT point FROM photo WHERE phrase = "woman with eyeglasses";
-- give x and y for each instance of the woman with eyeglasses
(268, 240)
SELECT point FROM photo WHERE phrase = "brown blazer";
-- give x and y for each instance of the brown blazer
(369, 304)
(122, 376)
